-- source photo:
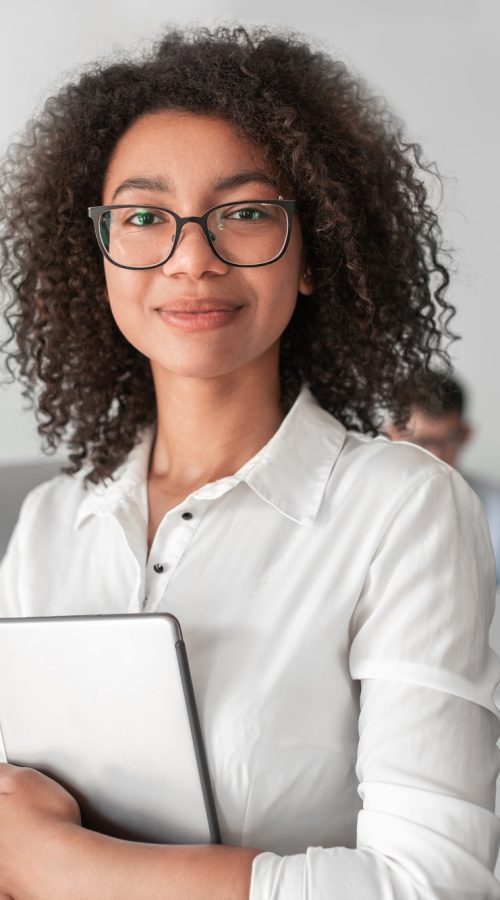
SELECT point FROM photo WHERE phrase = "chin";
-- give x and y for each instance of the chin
(192, 368)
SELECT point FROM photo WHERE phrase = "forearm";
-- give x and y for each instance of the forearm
(90, 866)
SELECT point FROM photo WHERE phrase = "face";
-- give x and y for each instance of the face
(442, 435)
(195, 315)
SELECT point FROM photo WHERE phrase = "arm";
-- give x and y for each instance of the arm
(45, 854)
(98, 866)
(427, 760)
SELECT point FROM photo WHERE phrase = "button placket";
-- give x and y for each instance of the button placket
(170, 543)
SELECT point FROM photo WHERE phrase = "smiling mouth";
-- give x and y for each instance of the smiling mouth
(199, 307)
(200, 316)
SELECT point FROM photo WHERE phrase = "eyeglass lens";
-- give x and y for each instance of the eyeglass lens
(242, 234)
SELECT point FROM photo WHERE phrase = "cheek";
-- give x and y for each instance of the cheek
(121, 283)
(126, 291)
(280, 287)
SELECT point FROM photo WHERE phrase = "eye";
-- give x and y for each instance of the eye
(143, 218)
(248, 214)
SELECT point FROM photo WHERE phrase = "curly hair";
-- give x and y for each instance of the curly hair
(373, 241)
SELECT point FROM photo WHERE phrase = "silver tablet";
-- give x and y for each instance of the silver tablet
(105, 705)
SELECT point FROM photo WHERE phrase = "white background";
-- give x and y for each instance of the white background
(436, 62)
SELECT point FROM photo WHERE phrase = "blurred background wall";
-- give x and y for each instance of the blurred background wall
(435, 61)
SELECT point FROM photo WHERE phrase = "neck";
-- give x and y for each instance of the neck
(208, 428)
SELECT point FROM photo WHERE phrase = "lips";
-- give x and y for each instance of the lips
(195, 307)
(198, 315)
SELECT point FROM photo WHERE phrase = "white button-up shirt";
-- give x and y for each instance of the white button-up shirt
(335, 596)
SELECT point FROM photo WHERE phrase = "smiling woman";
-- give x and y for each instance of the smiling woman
(262, 270)
(317, 138)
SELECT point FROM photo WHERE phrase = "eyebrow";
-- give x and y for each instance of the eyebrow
(142, 184)
(156, 183)
(241, 178)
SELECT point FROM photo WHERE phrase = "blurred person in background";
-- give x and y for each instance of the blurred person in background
(439, 423)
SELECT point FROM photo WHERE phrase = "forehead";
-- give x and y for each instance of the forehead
(181, 147)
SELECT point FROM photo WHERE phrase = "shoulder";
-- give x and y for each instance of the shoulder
(368, 478)
(381, 476)
(42, 534)
(57, 500)
(393, 465)
(65, 500)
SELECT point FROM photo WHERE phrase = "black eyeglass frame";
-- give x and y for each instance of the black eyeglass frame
(95, 213)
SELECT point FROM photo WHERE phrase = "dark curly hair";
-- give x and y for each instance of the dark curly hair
(373, 242)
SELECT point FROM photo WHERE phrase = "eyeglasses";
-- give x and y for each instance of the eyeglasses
(248, 233)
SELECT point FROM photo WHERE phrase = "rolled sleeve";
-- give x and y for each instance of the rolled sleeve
(427, 759)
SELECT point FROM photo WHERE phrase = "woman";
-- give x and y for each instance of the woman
(270, 262)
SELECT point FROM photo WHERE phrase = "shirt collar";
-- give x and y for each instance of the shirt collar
(290, 472)
(129, 479)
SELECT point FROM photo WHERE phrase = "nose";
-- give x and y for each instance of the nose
(193, 255)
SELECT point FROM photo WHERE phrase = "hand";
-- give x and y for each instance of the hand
(34, 811)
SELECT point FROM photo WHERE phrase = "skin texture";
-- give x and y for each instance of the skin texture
(46, 855)
(218, 401)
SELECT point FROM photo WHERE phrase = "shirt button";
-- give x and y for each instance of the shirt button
(187, 515)
(158, 568)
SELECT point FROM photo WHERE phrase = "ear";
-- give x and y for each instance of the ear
(306, 285)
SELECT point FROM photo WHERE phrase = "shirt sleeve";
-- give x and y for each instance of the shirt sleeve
(427, 759)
